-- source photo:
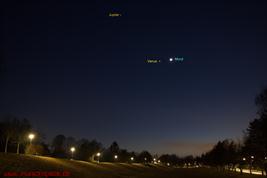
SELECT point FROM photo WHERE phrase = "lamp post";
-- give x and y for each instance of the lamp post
(115, 157)
(72, 149)
(251, 161)
(31, 137)
(98, 156)
(132, 159)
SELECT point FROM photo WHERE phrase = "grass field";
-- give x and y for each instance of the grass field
(80, 169)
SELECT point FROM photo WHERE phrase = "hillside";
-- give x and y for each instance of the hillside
(26, 163)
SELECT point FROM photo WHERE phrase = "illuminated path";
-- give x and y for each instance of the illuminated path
(256, 172)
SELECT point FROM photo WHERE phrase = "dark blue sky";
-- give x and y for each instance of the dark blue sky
(72, 69)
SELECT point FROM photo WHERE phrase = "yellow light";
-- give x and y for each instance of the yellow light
(31, 136)
(114, 14)
(98, 154)
(72, 149)
(132, 158)
(252, 157)
(158, 161)
(154, 159)
(116, 156)
(244, 159)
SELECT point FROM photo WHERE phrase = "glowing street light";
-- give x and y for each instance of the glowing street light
(132, 158)
(265, 157)
(31, 137)
(244, 159)
(250, 166)
(171, 59)
(72, 149)
(168, 164)
(158, 161)
(115, 156)
(98, 155)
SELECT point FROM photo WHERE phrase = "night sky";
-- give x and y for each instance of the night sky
(72, 69)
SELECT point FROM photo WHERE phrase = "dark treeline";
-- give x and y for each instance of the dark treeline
(14, 132)
(250, 153)
(14, 138)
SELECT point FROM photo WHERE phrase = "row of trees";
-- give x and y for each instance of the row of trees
(251, 152)
(12, 132)
(225, 153)
(60, 147)
(14, 137)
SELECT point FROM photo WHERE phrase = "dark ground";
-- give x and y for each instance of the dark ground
(80, 169)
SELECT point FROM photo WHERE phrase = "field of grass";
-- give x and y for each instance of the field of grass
(80, 169)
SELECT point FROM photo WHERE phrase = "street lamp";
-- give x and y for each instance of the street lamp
(132, 158)
(251, 161)
(244, 159)
(72, 149)
(158, 161)
(31, 137)
(98, 155)
(115, 157)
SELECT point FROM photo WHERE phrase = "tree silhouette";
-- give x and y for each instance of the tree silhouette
(114, 148)
(124, 155)
(224, 153)
(22, 128)
(58, 146)
(109, 153)
(256, 136)
(145, 157)
(169, 159)
(88, 149)
(9, 130)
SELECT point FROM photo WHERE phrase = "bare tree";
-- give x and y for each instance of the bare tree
(9, 130)
(22, 128)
